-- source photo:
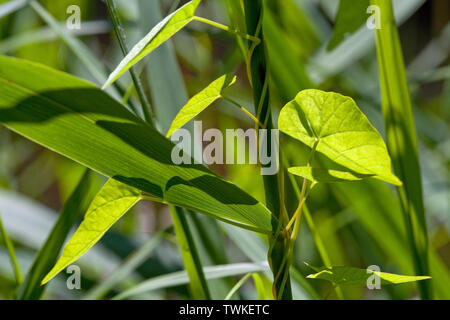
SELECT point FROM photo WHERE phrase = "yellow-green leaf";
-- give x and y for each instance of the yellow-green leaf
(158, 35)
(108, 206)
(201, 101)
(342, 132)
(349, 276)
(326, 175)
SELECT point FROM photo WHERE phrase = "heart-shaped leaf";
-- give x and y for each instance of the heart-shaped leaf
(326, 175)
(342, 132)
(201, 101)
(160, 33)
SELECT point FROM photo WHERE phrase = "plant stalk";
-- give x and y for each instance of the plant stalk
(258, 71)
(12, 254)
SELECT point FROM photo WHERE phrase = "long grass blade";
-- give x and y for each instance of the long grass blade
(74, 208)
(191, 259)
(12, 254)
(401, 137)
(12, 6)
(145, 105)
(181, 277)
(124, 270)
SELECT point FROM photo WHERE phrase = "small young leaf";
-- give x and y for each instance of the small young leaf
(342, 132)
(201, 101)
(348, 276)
(160, 33)
(326, 175)
(108, 206)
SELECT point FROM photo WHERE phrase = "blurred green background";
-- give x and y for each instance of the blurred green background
(360, 223)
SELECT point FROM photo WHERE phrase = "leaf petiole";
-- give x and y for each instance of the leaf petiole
(227, 29)
(248, 113)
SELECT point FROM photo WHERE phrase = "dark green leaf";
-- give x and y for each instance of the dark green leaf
(80, 121)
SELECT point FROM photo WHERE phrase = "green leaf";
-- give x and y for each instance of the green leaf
(181, 277)
(12, 6)
(165, 79)
(74, 208)
(401, 136)
(340, 130)
(351, 15)
(160, 33)
(363, 198)
(112, 201)
(201, 101)
(168, 93)
(326, 175)
(199, 287)
(80, 121)
(348, 276)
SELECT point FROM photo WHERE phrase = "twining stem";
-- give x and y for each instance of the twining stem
(258, 74)
(228, 29)
(248, 113)
(311, 225)
(11, 252)
(146, 108)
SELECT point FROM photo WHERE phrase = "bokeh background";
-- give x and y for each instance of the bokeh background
(360, 223)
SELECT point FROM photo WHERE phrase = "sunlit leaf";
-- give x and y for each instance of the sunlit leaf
(108, 206)
(201, 101)
(326, 175)
(160, 33)
(348, 276)
(80, 121)
(341, 131)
